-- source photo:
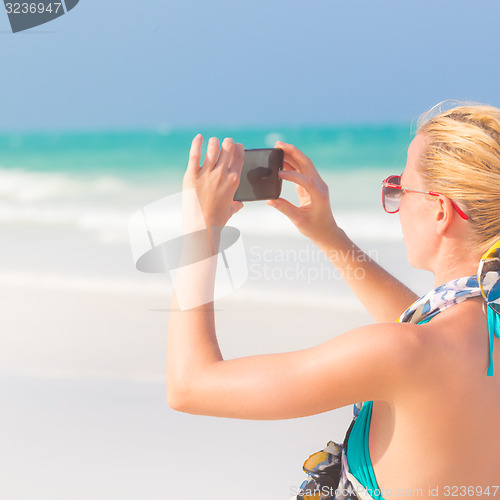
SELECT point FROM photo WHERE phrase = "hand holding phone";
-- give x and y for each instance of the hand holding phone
(259, 175)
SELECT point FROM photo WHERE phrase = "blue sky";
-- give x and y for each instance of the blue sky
(156, 63)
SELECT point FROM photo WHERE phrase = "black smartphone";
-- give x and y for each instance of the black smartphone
(259, 176)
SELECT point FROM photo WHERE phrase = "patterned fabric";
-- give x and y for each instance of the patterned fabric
(489, 279)
(486, 284)
(441, 298)
(328, 472)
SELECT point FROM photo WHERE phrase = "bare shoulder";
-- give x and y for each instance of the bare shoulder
(373, 362)
(390, 361)
(394, 359)
(458, 333)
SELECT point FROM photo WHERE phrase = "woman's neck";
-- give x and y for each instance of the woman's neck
(450, 266)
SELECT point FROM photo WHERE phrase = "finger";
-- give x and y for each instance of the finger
(286, 208)
(237, 160)
(226, 153)
(302, 180)
(296, 158)
(293, 164)
(212, 154)
(236, 207)
(301, 192)
(195, 155)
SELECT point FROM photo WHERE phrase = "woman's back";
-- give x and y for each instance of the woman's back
(436, 411)
(443, 430)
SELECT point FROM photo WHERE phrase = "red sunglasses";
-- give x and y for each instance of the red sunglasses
(392, 191)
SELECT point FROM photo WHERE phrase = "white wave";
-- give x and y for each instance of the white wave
(110, 224)
(369, 226)
(359, 225)
(147, 285)
(30, 187)
(103, 204)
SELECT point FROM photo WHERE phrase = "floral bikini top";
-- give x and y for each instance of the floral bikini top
(329, 477)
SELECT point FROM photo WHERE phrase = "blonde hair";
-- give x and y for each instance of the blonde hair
(462, 161)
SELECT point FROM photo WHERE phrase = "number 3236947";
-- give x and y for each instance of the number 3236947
(462, 491)
(33, 8)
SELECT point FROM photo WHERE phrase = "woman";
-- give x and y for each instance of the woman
(430, 423)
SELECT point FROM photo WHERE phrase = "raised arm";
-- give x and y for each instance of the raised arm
(376, 362)
(383, 296)
(373, 362)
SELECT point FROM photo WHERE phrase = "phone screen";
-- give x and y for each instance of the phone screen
(259, 175)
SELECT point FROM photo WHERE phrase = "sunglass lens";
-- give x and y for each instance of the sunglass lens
(392, 196)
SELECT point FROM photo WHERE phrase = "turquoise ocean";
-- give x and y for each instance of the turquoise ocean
(66, 199)
(145, 153)
(75, 177)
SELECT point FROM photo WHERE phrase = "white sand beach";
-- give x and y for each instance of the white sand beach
(82, 365)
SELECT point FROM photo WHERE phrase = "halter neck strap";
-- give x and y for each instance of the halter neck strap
(485, 284)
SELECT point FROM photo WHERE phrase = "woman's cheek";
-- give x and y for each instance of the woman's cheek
(411, 230)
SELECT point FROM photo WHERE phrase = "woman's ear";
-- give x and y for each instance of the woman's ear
(444, 213)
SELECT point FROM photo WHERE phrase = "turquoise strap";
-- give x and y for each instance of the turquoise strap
(493, 331)
(358, 452)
